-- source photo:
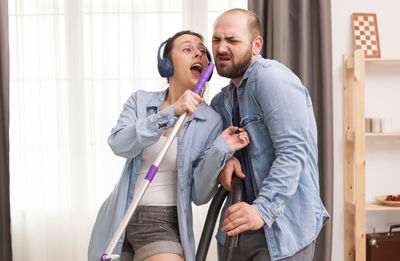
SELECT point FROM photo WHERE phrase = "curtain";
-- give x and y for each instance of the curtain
(298, 34)
(5, 230)
(73, 64)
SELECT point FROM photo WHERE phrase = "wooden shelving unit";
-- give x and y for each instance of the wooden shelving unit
(354, 155)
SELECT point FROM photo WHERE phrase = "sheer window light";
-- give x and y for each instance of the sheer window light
(73, 64)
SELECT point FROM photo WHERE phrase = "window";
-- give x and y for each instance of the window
(73, 64)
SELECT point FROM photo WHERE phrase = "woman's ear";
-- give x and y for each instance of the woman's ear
(257, 45)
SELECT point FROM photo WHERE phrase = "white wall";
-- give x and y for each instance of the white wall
(382, 95)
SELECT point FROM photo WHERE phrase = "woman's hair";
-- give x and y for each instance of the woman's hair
(170, 42)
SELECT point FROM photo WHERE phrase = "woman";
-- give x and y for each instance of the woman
(161, 228)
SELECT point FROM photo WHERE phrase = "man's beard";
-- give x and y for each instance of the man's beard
(237, 69)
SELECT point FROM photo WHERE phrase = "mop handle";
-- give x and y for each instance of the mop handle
(197, 89)
(108, 256)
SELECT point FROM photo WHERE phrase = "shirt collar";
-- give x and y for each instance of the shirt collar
(251, 67)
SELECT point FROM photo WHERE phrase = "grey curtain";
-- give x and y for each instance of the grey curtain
(5, 234)
(297, 33)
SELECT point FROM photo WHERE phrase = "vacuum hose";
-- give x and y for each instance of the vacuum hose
(209, 223)
(238, 195)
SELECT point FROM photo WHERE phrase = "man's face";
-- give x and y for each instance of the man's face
(231, 46)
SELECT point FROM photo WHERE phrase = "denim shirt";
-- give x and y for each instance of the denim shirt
(277, 112)
(201, 154)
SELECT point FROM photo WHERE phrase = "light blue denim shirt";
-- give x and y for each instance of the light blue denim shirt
(201, 154)
(277, 112)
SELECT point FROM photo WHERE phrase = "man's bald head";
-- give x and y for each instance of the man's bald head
(253, 22)
(236, 43)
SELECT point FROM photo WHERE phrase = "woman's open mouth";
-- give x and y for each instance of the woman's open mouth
(196, 69)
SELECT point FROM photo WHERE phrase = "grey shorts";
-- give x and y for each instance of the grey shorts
(154, 230)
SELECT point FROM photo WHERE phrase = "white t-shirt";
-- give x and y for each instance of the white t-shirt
(162, 191)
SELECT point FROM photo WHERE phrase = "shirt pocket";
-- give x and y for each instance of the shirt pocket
(260, 141)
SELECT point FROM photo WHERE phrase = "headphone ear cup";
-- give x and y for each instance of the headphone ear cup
(165, 68)
(164, 65)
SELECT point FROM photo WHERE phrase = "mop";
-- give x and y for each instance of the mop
(107, 255)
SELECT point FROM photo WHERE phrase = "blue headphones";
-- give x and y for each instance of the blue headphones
(165, 67)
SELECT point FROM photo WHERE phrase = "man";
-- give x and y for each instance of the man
(283, 214)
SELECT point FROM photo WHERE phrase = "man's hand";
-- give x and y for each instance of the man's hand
(232, 167)
(236, 138)
(241, 217)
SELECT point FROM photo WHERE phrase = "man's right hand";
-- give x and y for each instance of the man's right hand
(232, 167)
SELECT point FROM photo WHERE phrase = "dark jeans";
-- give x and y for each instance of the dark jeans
(254, 247)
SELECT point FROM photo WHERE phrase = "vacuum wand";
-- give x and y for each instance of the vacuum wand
(108, 256)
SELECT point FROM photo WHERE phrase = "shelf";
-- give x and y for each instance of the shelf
(372, 206)
(349, 62)
(380, 60)
(389, 134)
(350, 135)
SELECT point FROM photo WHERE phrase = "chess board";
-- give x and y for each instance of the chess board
(365, 32)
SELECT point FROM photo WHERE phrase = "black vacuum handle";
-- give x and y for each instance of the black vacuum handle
(238, 195)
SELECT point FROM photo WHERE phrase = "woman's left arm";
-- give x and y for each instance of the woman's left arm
(207, 168)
